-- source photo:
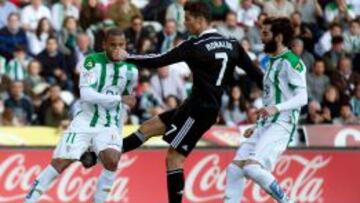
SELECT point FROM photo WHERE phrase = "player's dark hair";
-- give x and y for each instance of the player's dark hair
(198, 9)
(281, 26)
(113, 32)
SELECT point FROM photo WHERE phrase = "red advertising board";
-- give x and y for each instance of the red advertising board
(333, 135)
(308, 176)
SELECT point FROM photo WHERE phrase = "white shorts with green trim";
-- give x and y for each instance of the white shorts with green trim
(266, 144)
(73, 144)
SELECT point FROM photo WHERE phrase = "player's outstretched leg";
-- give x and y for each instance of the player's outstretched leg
(175, 175)
(149, 128)
(266, 180)
(110, 159)
(46, 177)
(235, 181)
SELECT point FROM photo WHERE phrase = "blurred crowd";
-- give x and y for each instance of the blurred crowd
(43, 42)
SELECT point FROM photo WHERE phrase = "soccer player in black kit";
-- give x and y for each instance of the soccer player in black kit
(212, 60)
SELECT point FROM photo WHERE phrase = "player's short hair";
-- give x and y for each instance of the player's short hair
(281, 26)
(113, 32)
(198, 9)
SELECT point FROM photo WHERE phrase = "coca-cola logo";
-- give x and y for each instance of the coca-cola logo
(206, 180)
(76, 184)
(347, 137)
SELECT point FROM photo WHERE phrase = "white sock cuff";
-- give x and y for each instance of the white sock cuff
(52, 170)
(108, 174)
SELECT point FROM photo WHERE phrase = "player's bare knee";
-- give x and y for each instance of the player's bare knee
(61, 164)
(174, 160)
(152, 127)
(110, 159)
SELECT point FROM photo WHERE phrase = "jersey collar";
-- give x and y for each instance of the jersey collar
(286, 50)
(208, 31)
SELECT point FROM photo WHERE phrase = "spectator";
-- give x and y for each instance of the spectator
(230, 28)
(33, 78)
(82, 48)
(352, 37)
(11, 36)
(164, 84)
(176, 12)
(37, 39)
(171, 102)
(17, 67)
(278, 8)
(302, 31)
(331, 102)
(346, 116)
(2, 65)
(235, 110)
(91, 13)
(67, 36)
(297, 46)
(31, 15)
(218, 9)
(148, 104)
(345, 78)
(253, 35)
(317, 81)
(247, 47)
(135, 34)
(57, 114)
(339, 11)
(55, 69)
(6, 7)
(355, 101)
(52, 94)
(251, 116)
(310, 10)
(356, 6)
(248, 13)
(331, 58)
(21, 107)
(315, 115)
(121, 12)
(146, 46)
(324, 44)
(60, 11)
(166, 38)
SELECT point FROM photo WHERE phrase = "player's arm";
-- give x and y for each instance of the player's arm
(248, 66)
(175, 55)
(128, 96)
(87, 84)
(297, 81)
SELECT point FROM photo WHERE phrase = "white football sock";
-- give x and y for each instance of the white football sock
(267, 181)
(235, 181)
(41, 184)
(104, 185)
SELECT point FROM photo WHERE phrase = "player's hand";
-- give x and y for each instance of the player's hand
(266, 112)
(248, 132)
(129, 100)
(123, 55)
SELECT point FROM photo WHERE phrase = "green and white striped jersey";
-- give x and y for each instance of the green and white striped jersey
(284, 74)
(2, 65)
(16, 70)
(106, 77)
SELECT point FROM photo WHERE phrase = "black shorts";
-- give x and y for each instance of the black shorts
(185, 125)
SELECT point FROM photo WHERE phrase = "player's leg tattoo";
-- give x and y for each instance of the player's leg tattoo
(235, 182)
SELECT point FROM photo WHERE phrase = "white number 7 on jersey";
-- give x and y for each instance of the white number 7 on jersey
(224, 57)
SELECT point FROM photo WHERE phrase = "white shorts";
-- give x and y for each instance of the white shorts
(265, 145)
(72, 144)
